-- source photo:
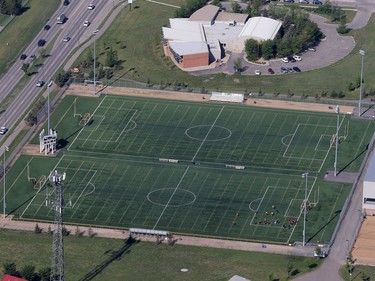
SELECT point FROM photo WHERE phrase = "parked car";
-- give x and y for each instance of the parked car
(257, 72)
(296, 69)
(86, 23)
(3, 130)
(297, 58)
(304, 2)
(270, 71)
(289, 1)
(311, 49)
(291, 59)
(47, 27)
(23, 57)
(284, 70)
(41, 42)
(285, 59)
(91, 6)
(40, 83)
(317, 2)
(66, 39)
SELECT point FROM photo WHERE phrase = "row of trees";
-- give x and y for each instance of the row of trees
(27, 272)
(10, 7)
(297, 33)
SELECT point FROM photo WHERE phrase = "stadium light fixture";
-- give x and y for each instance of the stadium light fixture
(305, 176)
(362, 53)
(94, 33)
(337, 138)
(4, 170)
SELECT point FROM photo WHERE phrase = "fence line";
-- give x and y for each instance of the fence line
(181, 87)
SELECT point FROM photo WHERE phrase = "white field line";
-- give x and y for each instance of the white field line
(209, 131)
(88, 120)
(291, 140)
(31, 201)
(162, 213)
(123, 130)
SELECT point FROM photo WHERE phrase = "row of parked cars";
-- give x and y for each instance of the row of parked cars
(316, 2)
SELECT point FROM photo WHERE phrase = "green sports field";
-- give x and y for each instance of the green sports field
(217, 170)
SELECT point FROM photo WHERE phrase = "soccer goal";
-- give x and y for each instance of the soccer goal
(85, 119)
(40, 182)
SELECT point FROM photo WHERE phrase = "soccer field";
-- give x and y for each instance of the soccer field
(204, 169)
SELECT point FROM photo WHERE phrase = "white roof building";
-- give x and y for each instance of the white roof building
(218, 30)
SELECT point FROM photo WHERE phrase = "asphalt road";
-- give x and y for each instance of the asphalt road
(77, 13)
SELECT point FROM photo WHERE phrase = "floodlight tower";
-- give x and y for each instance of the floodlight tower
(57, 265)
(362, 53)
(94, 33)
(337, 138)
(305, 176)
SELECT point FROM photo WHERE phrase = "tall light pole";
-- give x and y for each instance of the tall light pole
(94, 33)
(305, 176)
(337, 137)
(48, 107)
(362, 53)
(4, 170)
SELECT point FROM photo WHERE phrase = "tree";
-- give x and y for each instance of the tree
(62, 77)
(25, 67)
(10, 268)
(238, 64)
(28, 272)
(43, 52)
(45, 273)
(252, 49)
(10, 7)
(111, 59)
(236, 8)
(268, 49)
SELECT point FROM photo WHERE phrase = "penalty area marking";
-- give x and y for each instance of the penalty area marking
(251, 209)
(285, 137)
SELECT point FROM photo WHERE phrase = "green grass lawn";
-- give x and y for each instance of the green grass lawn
(23, 29)
(117, 175)
(136, 36)
(146, 261)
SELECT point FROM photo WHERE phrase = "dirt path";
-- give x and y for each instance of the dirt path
(290, 105)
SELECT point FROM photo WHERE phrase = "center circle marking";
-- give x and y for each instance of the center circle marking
(222, 133)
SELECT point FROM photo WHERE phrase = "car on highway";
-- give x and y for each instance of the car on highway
(86, 23)
(3, 130)
(91, 6)
(283, 70)
(23, 57)
(66, 2)
(297, 58)
(40, 83)
(41, 42)
(289, 1)
(304, 2)
(270, 71)
(296, 69)
(66, 39)
(47, 27)
(285, 59)
(33, 57)
(258, 72)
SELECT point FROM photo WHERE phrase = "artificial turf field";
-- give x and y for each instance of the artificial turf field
(208, 169)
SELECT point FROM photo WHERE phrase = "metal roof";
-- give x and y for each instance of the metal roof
(261, 28)
(224, 16)
(370, 174)
(206, 13)
(188, 48)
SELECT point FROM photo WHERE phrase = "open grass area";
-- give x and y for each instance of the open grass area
(23, 29)
(194, 168)
(146, 261)
(136, 36)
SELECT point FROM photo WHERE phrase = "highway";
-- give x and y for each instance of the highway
(77, 12)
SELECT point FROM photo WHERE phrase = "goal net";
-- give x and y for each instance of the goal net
(85, 119)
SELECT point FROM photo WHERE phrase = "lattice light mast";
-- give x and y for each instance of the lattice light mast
(57, 266)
